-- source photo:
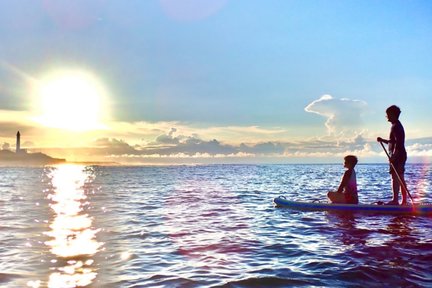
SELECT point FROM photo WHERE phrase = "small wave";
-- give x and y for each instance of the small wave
(215, 226)
(166, 281)
(270, 282)
(6, 277)
(365, 276)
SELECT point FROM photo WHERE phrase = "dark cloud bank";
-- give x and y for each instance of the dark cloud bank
(173, 146)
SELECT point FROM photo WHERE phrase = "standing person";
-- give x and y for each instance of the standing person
(398, 155)
(347, 191)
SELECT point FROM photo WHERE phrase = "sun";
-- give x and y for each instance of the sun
(73, 100)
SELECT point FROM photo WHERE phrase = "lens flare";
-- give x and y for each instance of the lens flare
(422, 183)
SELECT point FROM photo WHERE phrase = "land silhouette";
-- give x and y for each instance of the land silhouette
(22, 157)
(8, 157)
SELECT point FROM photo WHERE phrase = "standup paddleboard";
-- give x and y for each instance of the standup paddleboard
(417, 209)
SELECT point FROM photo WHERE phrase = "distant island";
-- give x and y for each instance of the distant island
(22, 157)
(9, 157)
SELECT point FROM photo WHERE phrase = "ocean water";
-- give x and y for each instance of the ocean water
(206, 226)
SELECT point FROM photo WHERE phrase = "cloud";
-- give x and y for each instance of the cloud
(169, 138)
(169, 143)
(28, 144)
(12, 121)
(419, 150)
(173, 144)
(342, 114)
(114, 147)
(6, 146)
(144, 142)
(267, 148)
(193, 149)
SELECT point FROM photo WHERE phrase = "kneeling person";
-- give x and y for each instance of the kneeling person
(347, 191)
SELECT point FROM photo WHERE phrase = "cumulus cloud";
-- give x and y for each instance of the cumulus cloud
(168, 138)
(193, 149)
(6, 146)
(170, 143)
(342, 114)
(176, 145)
(114, 146)
(419, 150)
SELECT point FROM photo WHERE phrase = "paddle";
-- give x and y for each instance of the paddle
(397, 174)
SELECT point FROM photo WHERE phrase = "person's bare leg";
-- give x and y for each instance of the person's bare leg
(336, 198)
(395, 189)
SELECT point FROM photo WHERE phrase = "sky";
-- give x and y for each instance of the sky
(215, 81)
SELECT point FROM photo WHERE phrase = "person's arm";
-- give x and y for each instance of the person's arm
(379, 139)
(344, 181)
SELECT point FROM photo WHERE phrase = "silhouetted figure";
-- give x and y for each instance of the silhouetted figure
(398, 154)
(347, 191)
(18, 142)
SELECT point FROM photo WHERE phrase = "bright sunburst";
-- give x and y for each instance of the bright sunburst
(73, 100)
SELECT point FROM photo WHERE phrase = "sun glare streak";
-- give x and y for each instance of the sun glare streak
(72, 100)
(422, 186)
(17, 71)
(73, 239)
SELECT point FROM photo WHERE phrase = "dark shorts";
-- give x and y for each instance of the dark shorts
(399, 165)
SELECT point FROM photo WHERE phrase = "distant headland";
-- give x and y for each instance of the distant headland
(22, 157)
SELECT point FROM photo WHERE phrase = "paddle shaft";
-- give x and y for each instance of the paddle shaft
(402, 183)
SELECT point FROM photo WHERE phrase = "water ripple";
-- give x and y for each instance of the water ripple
(206, 226)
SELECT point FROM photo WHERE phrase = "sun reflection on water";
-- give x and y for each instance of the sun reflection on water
(73, 238)
(422, 185)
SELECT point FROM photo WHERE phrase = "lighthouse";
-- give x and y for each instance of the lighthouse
(18, 143)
